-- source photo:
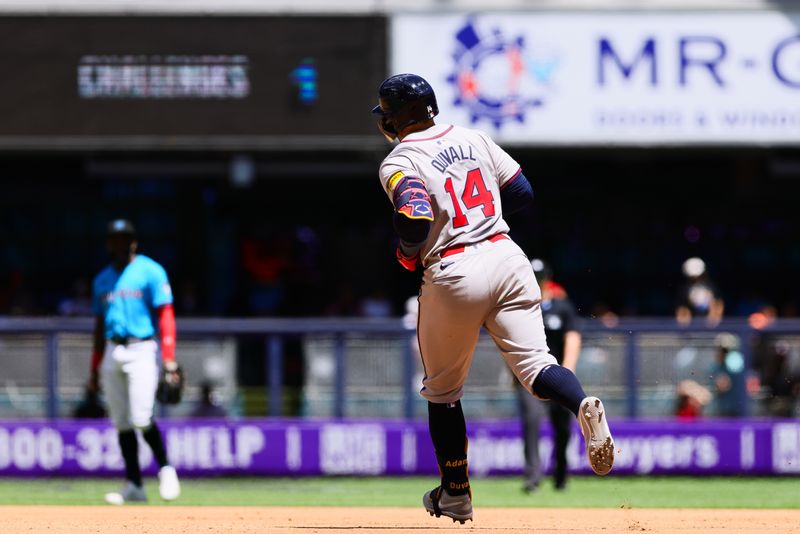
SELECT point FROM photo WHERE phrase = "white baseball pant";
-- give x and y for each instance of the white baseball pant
(490, 284)
(129, 377)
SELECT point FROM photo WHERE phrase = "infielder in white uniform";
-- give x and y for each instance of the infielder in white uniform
(449, 187)
(126, 296)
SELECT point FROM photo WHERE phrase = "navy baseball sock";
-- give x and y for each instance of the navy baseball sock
(129, 446)
(449, 434)
(153, 438)
(559, 384)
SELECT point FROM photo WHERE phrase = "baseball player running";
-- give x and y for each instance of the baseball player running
(126, 295)
(449, 187)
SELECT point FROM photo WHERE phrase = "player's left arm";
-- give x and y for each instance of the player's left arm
(572, 337)
(516, 194)
(161, 295)
(572, 349)
(167, 332)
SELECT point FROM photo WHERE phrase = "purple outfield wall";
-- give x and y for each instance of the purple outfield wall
(301, 447)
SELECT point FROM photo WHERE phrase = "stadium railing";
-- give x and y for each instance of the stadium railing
(370, 367)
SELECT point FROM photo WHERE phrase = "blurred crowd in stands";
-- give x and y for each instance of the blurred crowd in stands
(308, 271)
(323, 244)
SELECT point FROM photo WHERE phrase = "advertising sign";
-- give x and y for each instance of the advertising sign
(610, 78)
(299, 447)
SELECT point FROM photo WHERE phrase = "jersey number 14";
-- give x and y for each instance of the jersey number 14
(475, 194)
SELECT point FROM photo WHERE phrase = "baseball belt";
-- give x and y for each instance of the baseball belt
(450, 251)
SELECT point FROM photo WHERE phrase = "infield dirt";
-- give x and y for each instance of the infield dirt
(284, 520)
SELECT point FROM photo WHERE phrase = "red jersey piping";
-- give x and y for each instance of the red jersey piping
(512, 179)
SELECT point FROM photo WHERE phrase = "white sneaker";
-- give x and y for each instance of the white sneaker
(168, 485)
(130, 492)
(594, 427)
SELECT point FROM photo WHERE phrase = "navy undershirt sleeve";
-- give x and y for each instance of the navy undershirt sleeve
(411, 231)
(516, 194)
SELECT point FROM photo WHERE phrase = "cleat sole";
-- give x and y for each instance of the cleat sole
(599, 443)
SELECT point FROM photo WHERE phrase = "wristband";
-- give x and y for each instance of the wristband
(408, 262)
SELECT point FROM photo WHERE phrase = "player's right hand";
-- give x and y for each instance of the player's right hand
(408, 262)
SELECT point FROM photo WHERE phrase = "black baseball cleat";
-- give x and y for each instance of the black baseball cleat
(440, 503)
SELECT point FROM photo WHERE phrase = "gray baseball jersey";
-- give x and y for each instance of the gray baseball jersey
(463, 170)
(474, 274)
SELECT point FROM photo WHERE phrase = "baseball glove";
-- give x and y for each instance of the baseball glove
(170, 385)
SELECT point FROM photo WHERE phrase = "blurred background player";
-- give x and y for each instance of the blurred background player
(731, 381)
(127, 295)
(209, 405)
(691, 400)
(698, 297)
(564, 340)
(450, 187)
(782, 380)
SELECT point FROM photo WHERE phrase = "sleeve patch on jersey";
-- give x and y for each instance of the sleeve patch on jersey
(411, 199)
(417, 209)
(393, 179)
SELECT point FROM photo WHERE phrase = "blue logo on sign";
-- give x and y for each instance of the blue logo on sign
(494, 74)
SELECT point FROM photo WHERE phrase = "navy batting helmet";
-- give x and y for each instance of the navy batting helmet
(403, 100)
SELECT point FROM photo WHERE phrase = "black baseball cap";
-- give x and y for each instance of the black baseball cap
(121, 227)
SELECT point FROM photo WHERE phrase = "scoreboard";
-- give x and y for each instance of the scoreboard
(162, 81)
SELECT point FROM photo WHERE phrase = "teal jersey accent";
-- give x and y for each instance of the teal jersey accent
(126, 299)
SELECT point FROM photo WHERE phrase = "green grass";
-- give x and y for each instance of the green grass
(645, 492)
